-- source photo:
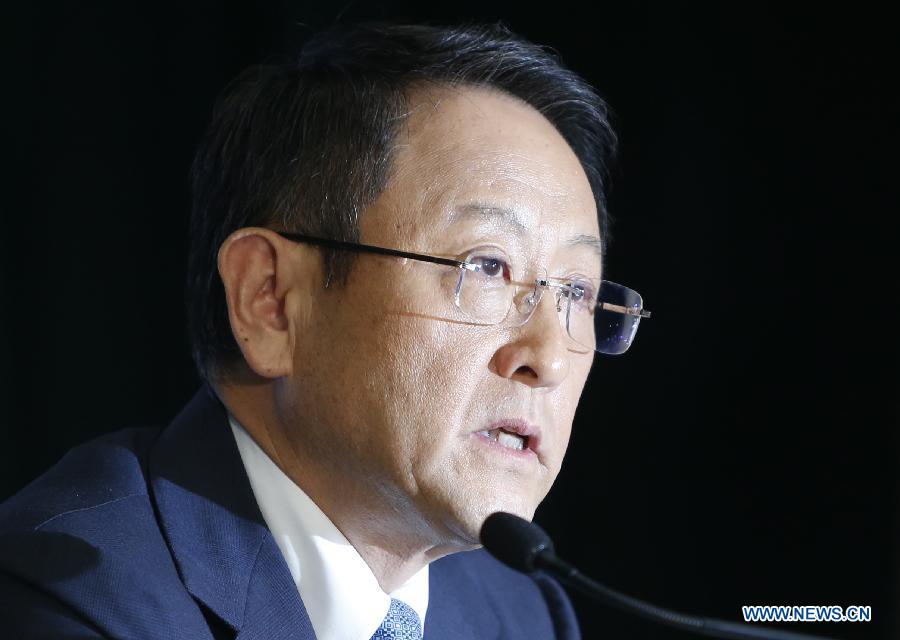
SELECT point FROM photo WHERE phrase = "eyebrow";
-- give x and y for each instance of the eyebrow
(516, 219)
(591, 242)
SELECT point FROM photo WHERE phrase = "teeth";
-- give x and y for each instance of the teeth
(511, 441)
(508, 440)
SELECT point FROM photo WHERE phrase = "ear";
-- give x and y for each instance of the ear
(265, 283)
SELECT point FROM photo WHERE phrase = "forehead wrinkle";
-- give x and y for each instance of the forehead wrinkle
(494, 200)
(489, 213)
(509, 193)
(451, 161)
(450, 180)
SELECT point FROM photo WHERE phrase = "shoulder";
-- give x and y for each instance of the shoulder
(90, 476)
(84, 535)
(533, 605)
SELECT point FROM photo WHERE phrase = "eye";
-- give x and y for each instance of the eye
(583, 293)
(492, 266)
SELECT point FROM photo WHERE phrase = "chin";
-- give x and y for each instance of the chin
(473, 514)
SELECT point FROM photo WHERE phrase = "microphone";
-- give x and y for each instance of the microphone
(525, 547)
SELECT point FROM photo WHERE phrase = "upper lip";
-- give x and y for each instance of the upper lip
(530, 431)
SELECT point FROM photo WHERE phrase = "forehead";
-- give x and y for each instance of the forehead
(464, 152)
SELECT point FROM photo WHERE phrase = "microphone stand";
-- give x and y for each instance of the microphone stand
(524, 546)
(570, 576)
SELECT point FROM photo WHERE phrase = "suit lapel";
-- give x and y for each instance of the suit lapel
(224, 552)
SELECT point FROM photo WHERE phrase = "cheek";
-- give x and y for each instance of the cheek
(438, 372)
(452, 395)
(419, 380)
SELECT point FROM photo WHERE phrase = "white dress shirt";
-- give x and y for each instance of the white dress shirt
(341, 594)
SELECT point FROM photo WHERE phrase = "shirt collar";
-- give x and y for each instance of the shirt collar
(339, 591)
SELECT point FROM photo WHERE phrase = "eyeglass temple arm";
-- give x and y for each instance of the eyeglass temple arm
(641, 313)
(352, 246)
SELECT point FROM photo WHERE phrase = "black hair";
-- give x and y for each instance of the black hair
(306, 145)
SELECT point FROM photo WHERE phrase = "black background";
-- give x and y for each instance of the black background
(743, 452)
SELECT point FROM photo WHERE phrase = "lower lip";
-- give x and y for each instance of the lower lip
(515, 454)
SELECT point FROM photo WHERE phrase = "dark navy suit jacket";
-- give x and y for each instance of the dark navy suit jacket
(149, 533)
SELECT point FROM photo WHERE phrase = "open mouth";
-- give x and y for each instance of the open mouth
(506, 438)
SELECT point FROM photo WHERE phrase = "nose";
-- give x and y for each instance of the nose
(536, 353)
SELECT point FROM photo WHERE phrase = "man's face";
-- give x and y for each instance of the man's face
(395, 401)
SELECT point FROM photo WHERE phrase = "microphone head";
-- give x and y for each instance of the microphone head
(514, 541)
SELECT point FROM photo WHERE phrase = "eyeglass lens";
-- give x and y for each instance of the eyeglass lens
(488, 296)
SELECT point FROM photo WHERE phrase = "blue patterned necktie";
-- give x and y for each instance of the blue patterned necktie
(400, 623)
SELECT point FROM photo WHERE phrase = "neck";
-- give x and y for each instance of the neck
(383, 529)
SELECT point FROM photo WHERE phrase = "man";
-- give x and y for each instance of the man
(395, 298)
